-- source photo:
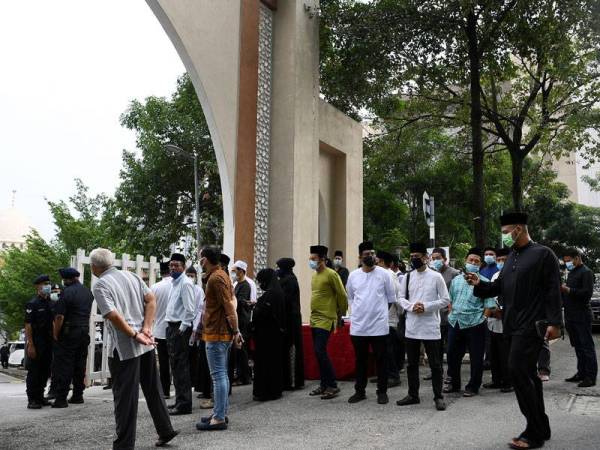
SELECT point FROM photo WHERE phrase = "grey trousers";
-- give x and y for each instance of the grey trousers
(127, 376)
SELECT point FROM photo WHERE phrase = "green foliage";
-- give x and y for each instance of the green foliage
(18, 268)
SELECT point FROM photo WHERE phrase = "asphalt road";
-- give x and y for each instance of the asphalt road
(487, 421)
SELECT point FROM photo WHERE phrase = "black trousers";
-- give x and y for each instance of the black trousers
(580, 336)
(204, 372)
(179, 356)
(393, 342)
(70, 355)
(499, 359)
(522, 365)
(361, 350)
(127, 375)
(38, 371)
(459, 340)
(164, 365)
(444, 343)
(413, 352)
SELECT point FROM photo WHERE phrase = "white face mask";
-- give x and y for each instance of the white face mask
(234, 277)
(54, 296)
(337, 262)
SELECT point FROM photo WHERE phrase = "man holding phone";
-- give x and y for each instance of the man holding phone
(530, 288)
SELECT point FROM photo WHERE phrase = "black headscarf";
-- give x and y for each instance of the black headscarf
(271, 304)
(286, 265)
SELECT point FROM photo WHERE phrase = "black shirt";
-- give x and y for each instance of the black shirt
(343, 273)
(242, 294)
(38, 313)
(75, 304)
(530, 287)
(581, 282)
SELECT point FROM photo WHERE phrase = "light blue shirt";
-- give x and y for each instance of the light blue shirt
(467, 310)
(182, 305)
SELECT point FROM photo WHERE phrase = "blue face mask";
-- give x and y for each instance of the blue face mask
(489, 259)
(176, 275)
(313, 264)
(471, 268)
(437, 264)
(46, 289)
(570, 266)
(500, 265)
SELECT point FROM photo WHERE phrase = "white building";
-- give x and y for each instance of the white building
(572, 172)
(14, 227)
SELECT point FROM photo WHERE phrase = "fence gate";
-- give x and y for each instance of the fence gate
(147, 270)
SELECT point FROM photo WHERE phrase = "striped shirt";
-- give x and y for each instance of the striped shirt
(467, 310)
(123, 292)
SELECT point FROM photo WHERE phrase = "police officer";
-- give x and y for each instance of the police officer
(38, 332)
(72, 337)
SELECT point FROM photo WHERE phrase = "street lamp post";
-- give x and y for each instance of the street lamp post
(181, 152)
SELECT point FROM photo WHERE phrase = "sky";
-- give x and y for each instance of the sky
(68, 70)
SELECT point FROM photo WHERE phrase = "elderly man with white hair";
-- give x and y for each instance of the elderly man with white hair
(129, 306)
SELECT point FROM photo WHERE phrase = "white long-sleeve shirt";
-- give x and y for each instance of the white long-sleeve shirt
(182, 305)
(369, 294)
(161, 291)
(199, 299)
(429, 288)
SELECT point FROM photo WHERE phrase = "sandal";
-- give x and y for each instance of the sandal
(317, 391)
(529, 442)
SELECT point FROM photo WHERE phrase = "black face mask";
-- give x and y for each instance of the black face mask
(416, 263)
(369, 261)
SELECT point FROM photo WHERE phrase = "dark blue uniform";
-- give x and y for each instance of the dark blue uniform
(71, 348)
(39, 315)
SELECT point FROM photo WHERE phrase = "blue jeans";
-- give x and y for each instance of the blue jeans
(217, 354)
(320, 339)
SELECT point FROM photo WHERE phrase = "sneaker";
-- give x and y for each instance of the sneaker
(207, 403)
(587, 382)
(382, 398)
(408, 400)
(440, 404)
(544, 377)
(357, 397)
(330, 393)
(574, 379)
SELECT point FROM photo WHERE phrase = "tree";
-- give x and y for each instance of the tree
(154, 203)
(17, 272)
(511, 75)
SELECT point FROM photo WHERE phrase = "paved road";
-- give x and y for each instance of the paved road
(299, 421)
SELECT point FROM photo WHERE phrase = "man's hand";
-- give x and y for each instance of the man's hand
(498, 313)
(472, 278)
(144, 340)
(147, 331)
(418, 308)
(565, 289)
(552, 332)
(31, 353)
(238, 340)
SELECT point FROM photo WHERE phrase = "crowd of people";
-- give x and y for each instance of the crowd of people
(209, 331)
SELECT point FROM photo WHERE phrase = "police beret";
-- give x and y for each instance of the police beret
(42, 279)
(68, 272)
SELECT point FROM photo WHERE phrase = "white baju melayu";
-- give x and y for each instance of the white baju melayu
(161, 291)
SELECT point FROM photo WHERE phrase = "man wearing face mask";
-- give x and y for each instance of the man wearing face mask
(423, 293)
(338, 266)
(530, 288)
(328, 303)
(38, 347)
(371, 293)
(490, 267)
(180, 316)
(242, 289)
(72, 337)
(467, 327)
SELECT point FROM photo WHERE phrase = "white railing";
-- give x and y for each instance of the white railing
(147, 270)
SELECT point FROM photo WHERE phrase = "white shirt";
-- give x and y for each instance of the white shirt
(369, 294)
(161, 291)
(199, 299)
(495, 325)
(427, 287)
(182, 306)
(253, 292)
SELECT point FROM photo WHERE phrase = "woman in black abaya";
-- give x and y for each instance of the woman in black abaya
(268, 323)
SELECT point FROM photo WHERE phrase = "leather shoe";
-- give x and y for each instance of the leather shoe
(174, 405)
(574, 379)
(45, 401)
(382, 398)
(587, 382)
(357, 397)
(164, 440)
(76, 400)
(60, 404)
(179, 412)
(202, 426)
(492, 386)
(440, 404)
(408, 400)
(207, 419)
(34, 405)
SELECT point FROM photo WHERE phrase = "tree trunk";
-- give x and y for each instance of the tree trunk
(476, 134)
(517, 180)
